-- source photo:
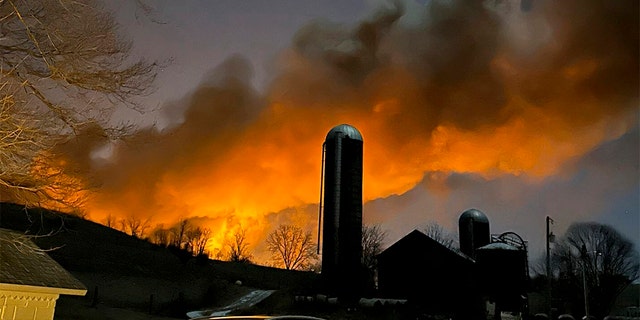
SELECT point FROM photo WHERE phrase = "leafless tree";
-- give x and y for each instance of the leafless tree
(191, 234)
(439, 234)
(291, 247)
(238, 247)
(135, 226)
(196, 239)
(160, 235)
(598, 256)
(178, 233)
(373, 237)
(200, 244)
(183, 235)
(110, 221)
(63, 69)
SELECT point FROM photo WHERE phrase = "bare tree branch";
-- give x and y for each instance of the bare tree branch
(64, 69)
(439, 234)
(373, 237)
(291, 247)
(238, 248)
(599, 257)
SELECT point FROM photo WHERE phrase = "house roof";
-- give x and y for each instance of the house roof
(23, 263)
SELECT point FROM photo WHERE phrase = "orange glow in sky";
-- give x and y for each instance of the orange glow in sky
(472, 89)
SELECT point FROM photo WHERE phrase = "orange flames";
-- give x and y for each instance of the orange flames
(272, 173)
(475, 103)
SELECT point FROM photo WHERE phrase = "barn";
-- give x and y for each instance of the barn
(438, 280)
(429, 275)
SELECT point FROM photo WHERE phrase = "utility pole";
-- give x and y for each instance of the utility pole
(548, 237)
(583, 254)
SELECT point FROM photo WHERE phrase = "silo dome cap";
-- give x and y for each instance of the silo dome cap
(475, 215)
(344, 130)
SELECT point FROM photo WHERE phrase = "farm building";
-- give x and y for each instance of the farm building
(489, 270)
(423, 271)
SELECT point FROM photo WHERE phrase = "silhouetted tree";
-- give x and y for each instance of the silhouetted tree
(183, 236)
(196, 239)
(63, 69)
(160, 236)
(110, 221)
(134, 226)
(238, 247)
(201, 242)
(291, 247)
(596, 255)
(373, 237)
(439, 234)
(178, 234)
(372, 240)
(191, 235)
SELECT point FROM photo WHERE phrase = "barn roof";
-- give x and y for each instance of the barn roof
(418, 238)
(23, 263)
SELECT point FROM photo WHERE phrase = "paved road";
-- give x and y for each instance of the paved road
(250, 299)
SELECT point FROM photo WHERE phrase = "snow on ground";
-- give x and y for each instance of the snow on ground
(250, 299)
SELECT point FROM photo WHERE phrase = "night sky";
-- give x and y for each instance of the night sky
(518, 112)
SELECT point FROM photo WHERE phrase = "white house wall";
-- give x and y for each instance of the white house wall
(21, 305)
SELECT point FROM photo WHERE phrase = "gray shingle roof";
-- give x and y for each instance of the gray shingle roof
(23, 263)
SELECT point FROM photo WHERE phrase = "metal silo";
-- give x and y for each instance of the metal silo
(342, 226)
(504, 274)
(473, 231)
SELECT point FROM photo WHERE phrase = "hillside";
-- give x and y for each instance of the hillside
(131, 278)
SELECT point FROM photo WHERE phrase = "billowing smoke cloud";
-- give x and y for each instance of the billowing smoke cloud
(601, 186)
(471, 104)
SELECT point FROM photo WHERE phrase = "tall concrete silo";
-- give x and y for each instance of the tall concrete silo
(473, 231)
(342, 226)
